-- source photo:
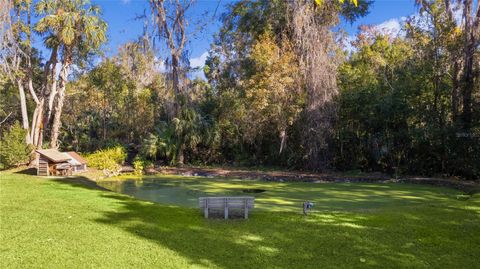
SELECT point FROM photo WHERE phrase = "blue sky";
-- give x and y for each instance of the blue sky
(120, 16)
(123, 27)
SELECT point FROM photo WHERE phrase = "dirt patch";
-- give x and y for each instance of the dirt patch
(253, 190)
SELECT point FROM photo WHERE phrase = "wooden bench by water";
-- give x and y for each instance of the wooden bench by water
(225, 203)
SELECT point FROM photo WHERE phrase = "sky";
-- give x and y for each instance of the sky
(123, 26)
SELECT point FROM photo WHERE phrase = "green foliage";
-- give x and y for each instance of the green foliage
(188, 131)
(396, 111)
(125, 100)
(271, 95)
(139, 167)
(167, 144)
(151, 146)
(320, 2)
(107, 105)
(373, 113)
(109, 159)
(13, 149)
(399, 107)
(73, 23)
(140, 164)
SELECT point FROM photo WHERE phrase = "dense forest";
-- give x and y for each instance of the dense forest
(283, 85)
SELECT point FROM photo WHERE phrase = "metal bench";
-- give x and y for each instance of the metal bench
(225, 203)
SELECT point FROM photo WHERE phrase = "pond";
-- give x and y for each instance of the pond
(181, 191)
(278, 196)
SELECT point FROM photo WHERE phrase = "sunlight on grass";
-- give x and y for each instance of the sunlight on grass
(251, 237)
(64, 223)
(268, 250)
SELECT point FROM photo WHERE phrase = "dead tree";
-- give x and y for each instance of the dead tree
(171, 25)
(315, 45)
(471, 22)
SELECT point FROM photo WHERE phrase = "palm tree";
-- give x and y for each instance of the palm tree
(76, 29)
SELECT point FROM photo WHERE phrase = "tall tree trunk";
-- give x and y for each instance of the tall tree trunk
(177, 89)
(23, 108)
(36, 132)
(283, 140)
(468, 85)
(455, 91)
(38, 124)
(51, 85)
(38, 120)
(176, 83)
(53, 93)
(180, 155)
(471, 27)
(59, 105)
(33, 125)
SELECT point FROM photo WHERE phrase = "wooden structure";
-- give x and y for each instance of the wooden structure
(79, 164)
(51, 162)
(226, 203)
(48, 161)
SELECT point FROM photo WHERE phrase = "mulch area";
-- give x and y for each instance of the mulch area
(292, 176)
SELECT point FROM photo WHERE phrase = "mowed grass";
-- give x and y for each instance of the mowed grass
(63, 223)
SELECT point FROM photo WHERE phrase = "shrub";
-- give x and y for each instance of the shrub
(13, 149)
(109, 159)
(140, 164)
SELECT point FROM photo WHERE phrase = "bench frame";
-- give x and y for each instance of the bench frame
(223, 203)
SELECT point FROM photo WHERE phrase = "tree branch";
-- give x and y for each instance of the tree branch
(4, 120)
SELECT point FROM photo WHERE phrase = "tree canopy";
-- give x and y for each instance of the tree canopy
(280, 87)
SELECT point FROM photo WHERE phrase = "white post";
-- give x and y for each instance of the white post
(226, 208)
(205, 210)
(245, 209)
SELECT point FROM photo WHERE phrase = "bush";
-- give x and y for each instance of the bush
(13, 149)
(140, 164)
(109, 159)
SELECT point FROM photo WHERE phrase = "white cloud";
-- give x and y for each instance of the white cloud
(126, 1)
(160, 65)
(392, 27)
(347, 43)
(196, 62)
(199, 61)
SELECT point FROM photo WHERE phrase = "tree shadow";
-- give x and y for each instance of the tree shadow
(287, 240)
(80, 181)
(274, 240)
(32, 171)
(76, 180)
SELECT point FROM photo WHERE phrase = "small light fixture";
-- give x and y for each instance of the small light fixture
(307, 206)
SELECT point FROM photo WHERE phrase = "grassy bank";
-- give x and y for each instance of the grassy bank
(60, 223)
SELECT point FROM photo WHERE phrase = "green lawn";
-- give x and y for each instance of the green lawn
(66, 224)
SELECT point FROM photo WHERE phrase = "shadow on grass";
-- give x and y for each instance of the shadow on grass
(278, 240)
(289, 240)
(79, 181)
(75, 180)
(27, 171)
